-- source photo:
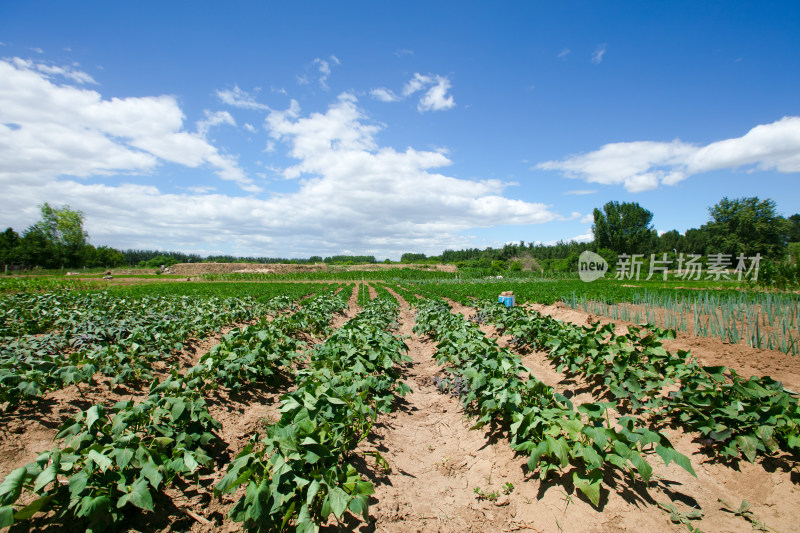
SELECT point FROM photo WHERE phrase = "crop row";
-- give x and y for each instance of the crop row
(111, 461)
(102, 332)
(740, 417)
(257, 352)
(494, 384)
(301, 471)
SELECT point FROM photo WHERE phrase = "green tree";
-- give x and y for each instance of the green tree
(63, 229)
(9, 247)
(696, 241)
(624, 228)
(794, 228)
(161, 260)
(671, 241)
(105, 256)
(410, 257)
(36, 249)
(747, 226)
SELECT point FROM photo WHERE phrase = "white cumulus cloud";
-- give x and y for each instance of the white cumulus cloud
(349, 191)
(384, 95)
(55, 70)
(348, 176)
(214, 119)
(49, 130)
(324, 66)
(644, 165)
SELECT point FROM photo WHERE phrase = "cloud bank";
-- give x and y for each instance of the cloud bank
(351, 194)
(644, 165)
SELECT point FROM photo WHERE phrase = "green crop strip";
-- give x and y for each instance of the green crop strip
(101, 332)
(300, 472)
(258, 352)
(740, 417)
(115, 462)
(758, 319)
(495, 386)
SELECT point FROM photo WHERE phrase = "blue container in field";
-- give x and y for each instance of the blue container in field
(508, 301)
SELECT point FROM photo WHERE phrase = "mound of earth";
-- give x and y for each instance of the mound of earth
(197, 269)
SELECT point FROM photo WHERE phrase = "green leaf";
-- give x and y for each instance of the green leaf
(6, 515)
(642, 467)
(288, 515)
(670, 454)
(92, 415)
(313, 489)
(336, 401)
(559, 448)
(47, 476)
(100, 460)
(360, 506)
(589, 486)
(536, 455)
(11, 486)
(31, 509)
(190, 461)
(339, 500)
(748, 445)
(153, 474)
(77, 483)
(123, 457)
(177, 409)
(91, 507)
(304, 523)
(571, 427)
(164, 441)
(139, 496)
(311, 457)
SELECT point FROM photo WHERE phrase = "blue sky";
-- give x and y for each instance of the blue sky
(318, 128)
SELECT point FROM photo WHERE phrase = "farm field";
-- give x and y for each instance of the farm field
(395, 403)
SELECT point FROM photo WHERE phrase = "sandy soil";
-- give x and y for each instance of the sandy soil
(436, 461)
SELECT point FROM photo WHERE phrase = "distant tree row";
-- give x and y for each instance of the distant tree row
(735, 226)
(59, 240)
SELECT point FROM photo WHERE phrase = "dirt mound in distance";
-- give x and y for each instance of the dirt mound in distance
(197, 269)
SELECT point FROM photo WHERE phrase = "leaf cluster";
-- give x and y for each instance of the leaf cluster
(300, 472)
(113, 461)
(541, 422)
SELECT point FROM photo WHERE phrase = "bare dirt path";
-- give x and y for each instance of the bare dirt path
(437, 462)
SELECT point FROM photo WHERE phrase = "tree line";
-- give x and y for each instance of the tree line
(746, 226)
(59, 241)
